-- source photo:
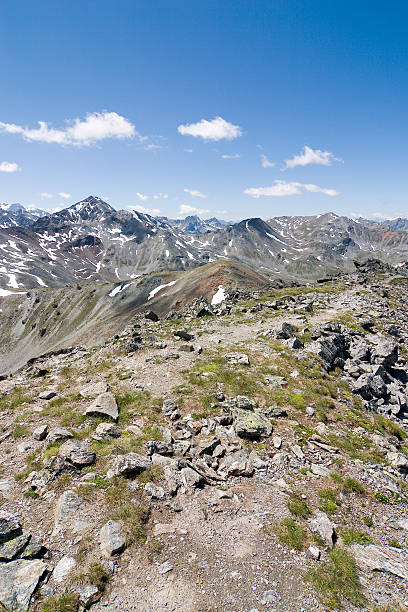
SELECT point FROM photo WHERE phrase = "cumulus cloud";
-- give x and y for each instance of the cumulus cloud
(142, 196)
(45, 196)
(311, 156)
(265, 163)
(160, 196)
(235, 156)
(216, 129)
(195, 193)
(64, 196)
(146, 211)
(6, 166)
(186, 210)
(78, 132)
(282, 188)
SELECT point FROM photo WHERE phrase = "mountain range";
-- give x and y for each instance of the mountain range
(92, 241)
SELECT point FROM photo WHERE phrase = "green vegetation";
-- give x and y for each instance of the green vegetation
(337, 581)
(395, 544)
(329, 500)
(291, 534)
(355, 535)
(299, 508)
(368, 520)
(14, 399)
(382, 498)
(19, 431)
(133, 515)
(66, 603)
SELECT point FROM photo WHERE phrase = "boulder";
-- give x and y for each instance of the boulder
(47, 395)
(40, 432)
(128, 465)
(111, 540)
(382, 558)
(59, 433)
(18, 581)
(11, 548)
(191, 478)
(237, 359)
(66, 510)
(105, 405)
(106, 431)
(77, 453)
(323, 527)
(237, 464)
(385, 351)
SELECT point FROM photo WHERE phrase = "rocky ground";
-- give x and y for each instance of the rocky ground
(248, 457)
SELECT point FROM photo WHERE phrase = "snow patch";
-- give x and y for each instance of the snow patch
(159, 288)
(219, 296)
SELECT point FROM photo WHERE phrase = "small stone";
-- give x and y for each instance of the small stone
(310, 411)
(112, 542)
(268, 597)
(59, 433)
(237, 359)
(277, 441)
(187, 348)
(324, 527)
(314, 552)
(165, 567)
(319, 470)
(47, 395)
(184, 335)
(63, 567)
(297, 451)
(40, 432)
(191, 478)
(88, 594)
(154, 490)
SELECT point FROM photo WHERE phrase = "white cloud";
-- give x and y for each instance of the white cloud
(160, 196)
(311, 156)
(216, 129)
(188, 150)
(186, 210)
(142, 196)
(56, 209)
(235, 156)
(64, 195)
(6, 166)
(94, 128)
(45, 196)
(195, 193)
(146, 211)
(265, 163)
(282, 188)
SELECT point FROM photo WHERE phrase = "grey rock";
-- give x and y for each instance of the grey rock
(165, 567)
(11, 548)
(67, 508)
(297, 451)
(88, 594)
(94, 389)
(9, 526)
(385, 351)
(154, 490)
(111, 540)
(186, 348)
(77, 453)
(106, 431)
(382, 558)
(128, 465)
(47, 395)
(59, 433)
(319, 470)
(314, 552)
(286, 331)
(18, 581)
(105, 405)
(237, 359)
(63, 568)
(237, 464)
(184, 335)
(324, 527)
(35, 548)
(190, 478)
(249, 421)
(257, 462)
(40, 432)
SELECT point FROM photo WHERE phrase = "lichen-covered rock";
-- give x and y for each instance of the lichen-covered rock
(128, 465)
(105, 405)
(9, 526)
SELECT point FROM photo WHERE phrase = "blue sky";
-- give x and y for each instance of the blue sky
(114, 81)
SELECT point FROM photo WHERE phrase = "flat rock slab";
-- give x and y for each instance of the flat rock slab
(63, 567)
(129, 465)
(66, 511)
(9, 526)
(105, 405)
(383, 559)
(94, 389)
(324, 527)
(18, 581)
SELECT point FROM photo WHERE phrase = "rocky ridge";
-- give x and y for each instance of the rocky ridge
(228, 457)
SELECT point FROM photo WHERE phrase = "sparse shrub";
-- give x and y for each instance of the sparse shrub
(353, 485)
(337, 581)
(299, 508)
(133, 515)
(329, 501)
(291, 534)
(395, 544)
(66, 603)
(368, 520)
(19, 431)
(355, 535)
(382, 498)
